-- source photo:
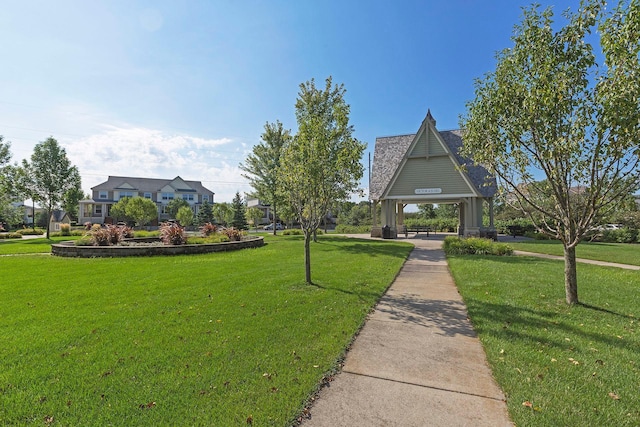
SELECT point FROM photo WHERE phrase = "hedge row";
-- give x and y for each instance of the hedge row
(353, 229)
(475, 246)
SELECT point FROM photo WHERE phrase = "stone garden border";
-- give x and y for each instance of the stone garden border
(69, 249)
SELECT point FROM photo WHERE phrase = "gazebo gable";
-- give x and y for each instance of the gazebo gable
(428, 170)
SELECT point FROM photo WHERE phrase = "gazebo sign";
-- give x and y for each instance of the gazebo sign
(428, 190)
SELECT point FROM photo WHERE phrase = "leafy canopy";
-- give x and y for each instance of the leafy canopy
(262, 164)
(559, 128)
(321, 164)
(53, 175)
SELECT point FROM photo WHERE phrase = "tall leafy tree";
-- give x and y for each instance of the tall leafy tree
(185, 216)
(6, 172)
(261, 166)
(71, 201)
(238, 208)
(119, 210)
(254, 215)
(174, 206)
(53, 175)
(560, 127)
(223, 213)
(321, 165)
(141, 210)
(25, 186)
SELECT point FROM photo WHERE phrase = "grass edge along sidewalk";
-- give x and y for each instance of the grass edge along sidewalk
(623, 253)
(557, 364)
(219, 339)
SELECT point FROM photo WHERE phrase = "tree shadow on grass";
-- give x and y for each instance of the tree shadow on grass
(535, 326)
(607, 311)
(372, 248)
(364, 296)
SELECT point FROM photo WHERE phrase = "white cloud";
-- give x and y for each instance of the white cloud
(151, 153)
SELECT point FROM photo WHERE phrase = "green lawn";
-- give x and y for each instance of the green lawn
(29, 246)
(624, 253)
(210, 339)
(574, 366)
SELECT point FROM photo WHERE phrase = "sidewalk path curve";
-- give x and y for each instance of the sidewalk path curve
(582, 260)
(417, 361)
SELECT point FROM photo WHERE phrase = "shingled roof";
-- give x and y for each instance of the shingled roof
(391, 150)
(148, 184)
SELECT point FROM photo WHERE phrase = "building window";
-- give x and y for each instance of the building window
(102, 195)
(205, 197)
(147, 195)
(187, 197)
(167, 196)
(124, 194)
(164, 209)
(97, 209)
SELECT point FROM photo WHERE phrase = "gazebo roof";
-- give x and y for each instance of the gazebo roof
(390, 152)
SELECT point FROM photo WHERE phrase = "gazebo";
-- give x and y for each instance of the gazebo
(426, 167)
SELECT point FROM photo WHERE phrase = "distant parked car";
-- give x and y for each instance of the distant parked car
(270, 226)
(605, 227)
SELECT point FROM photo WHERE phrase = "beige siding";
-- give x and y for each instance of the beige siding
(437, 172)
(435, 147)
(420, 149)
(429, 144)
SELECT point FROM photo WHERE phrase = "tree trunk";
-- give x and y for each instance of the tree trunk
(570, 275)
(307, 257)
(50, 213)
(274, 218)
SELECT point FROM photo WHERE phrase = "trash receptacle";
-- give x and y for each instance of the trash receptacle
(386, 232)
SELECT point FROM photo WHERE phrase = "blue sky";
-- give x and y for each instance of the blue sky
(165, 88)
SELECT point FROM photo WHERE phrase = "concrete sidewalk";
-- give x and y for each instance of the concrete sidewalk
(417, 360)
(582, 260)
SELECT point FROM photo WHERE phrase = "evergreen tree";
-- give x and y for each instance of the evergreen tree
(239, 213)
(205, 214)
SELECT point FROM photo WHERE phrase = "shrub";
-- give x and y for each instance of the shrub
(292, 232)
(31, 231)
(95, 227)
(502, 226)
(115, 234)
(172, 234)
(65, 230)
(11, 236)
(126, 232)
(475, 246)
(213, 238)
(84, 241)
(353, 229)
(233, 234)
(207, 229)
(100, 237)
(145, 233)
(537, 236)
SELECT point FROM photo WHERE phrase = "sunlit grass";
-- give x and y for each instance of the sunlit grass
(624, 253)
(187, 340)
(557, 364)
